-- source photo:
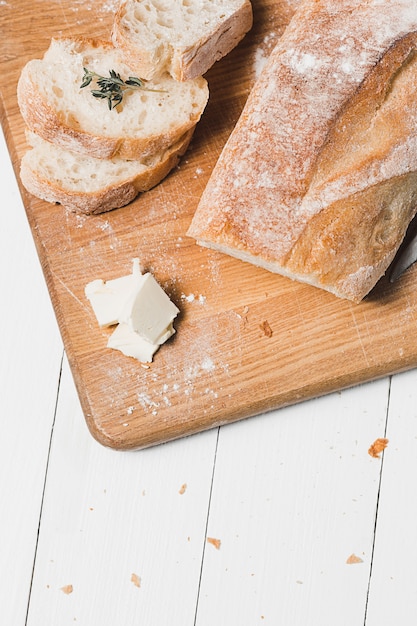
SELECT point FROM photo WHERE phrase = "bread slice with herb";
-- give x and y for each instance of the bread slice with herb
(88, 185)
(143, 118)
(182, 38)
(318, 180)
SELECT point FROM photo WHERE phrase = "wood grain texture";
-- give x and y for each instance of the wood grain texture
(110, 516)
(31, 353)
(221, 366)
(392, 591)
(300, 501)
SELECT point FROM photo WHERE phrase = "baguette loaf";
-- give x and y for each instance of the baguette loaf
(318, 181)
(181, 38)
(147, 122)
(88, 185)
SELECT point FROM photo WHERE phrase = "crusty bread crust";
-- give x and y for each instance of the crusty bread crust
(112, 195)
(64, 128)
(318, 180)
(184, 62)
(199, 58)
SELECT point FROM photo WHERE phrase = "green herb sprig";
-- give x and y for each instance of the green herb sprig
(112, 88)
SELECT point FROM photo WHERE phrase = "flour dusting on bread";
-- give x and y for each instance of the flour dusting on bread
(272, 201)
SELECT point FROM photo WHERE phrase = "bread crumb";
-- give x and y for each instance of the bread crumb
(67, 589)
(266, 329)
(353, 559)
(182, 489)
(135, 579)
(377, 447)
(214, 542)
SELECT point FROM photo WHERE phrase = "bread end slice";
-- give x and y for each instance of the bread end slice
(345, 249)
(183, 39)
(318, 180)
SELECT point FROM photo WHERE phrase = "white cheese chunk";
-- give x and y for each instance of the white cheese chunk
(132, 344)
(148, 310)
(108, 298)
(168, 332)
(139, 307)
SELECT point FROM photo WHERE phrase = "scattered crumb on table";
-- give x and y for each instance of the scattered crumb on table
(353, 559)
(67, 589)
(135, 579)
(183, 489)
(214, 542)
(377, 447)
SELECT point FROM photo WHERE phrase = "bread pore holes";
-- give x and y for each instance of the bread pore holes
(165, 21)
(160, 6)
(58, 92)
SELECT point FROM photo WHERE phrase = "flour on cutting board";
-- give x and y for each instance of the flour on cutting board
(263, 51)
(107, 6)
(173, 383)
(179, 385)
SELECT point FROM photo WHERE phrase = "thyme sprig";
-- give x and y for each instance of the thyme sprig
(113, 87)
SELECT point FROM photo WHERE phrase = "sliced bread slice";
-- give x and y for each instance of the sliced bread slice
(147, 121)
(88, 185)
(182, 38)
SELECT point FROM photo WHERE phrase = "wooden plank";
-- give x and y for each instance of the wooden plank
(393, 589)
(220, 367)
(108, 516)
(31, 353)
(294, 496)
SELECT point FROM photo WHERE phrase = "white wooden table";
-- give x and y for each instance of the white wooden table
(95, 537)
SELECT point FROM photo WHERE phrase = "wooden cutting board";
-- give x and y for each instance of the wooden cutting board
(247, 341)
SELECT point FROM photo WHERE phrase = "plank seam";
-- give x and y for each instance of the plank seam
(377, 505)
(206, 528)
(48, 456)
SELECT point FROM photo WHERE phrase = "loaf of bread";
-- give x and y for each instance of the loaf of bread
(88, 185)
(147, 122)
(181, 38)
(318, 181)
